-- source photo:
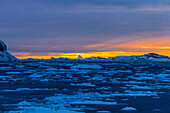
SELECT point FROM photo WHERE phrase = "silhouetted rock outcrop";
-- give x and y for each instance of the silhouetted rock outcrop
(4, 55)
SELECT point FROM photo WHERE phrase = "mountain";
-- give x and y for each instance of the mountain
(80, 57)
(95, 58)
(150, 56)
(4, 54)
(153, 56)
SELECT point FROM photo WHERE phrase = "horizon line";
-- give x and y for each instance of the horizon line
(86, 55)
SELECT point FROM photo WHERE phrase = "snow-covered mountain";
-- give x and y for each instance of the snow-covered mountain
(153, 56)
(4, 54)
(150, 56)
(80, 57)
(95, 58)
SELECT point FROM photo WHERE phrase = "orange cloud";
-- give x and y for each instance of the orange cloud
(21, 54)
(156, 43)
(151, 43)
(120, 48)
(156, 47)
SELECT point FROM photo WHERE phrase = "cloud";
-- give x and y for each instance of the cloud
(81, 25)
(58, 6)
(125, 3)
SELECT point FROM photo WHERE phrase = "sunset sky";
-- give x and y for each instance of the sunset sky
(67, 28)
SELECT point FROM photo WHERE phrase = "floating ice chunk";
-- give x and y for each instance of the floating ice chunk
(28, 89)
(162, 75)
(5, 68)
(23, 89)
(56, 99)
(140, 87)
(57, 75)
(28, 72)
(67, 111)
(15, 73)
(136, 93)
(98, 77)
(25, 103)
(36, 75)
(51, 69)
(61, 69)
(136, 82)
(87, 66)
(124, 71)
(128, 109)
(88, 102)
(42, 110)
(128, 91)
(141, 74)
(83, 84)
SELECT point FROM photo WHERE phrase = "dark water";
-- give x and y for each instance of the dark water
(97, 87)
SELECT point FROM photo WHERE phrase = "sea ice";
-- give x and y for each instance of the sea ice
(128, 109)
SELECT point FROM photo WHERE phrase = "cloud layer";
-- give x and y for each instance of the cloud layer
(65, 26)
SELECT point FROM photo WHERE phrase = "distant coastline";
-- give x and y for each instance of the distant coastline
(84, 55)
(149, 56)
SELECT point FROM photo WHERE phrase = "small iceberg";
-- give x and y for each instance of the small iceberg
(128, 109)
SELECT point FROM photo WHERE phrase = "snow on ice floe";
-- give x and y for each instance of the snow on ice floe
(60, 100)
(87, 102)
(25, 103)
(129, 93)
(135, 82)
(83, 84)
(135, 93)
(33, 109)
(97, 78)
(87, 66)
(73, 86)
(14, 73)
(36, 75)
(28, 72)
(52, 69)
(129, 109)
(162, 75)
(67, 111)
(140, 87)
(5, 68)
(29, 89)
(141, 74)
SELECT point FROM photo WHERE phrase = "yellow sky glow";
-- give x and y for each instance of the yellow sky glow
(157, 47)
(154, 45)
(92, 54)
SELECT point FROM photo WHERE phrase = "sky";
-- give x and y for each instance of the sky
(67, 28)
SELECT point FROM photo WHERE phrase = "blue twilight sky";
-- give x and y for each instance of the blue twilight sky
(44, 26)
